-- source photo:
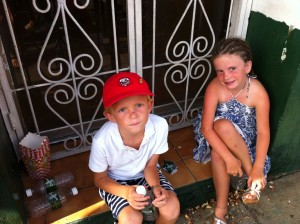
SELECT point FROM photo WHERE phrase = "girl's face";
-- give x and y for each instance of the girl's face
(231, 70)
(131, 114)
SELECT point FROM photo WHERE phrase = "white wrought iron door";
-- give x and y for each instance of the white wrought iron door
(71, 48)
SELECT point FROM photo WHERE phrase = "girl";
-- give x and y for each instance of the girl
(234, 124)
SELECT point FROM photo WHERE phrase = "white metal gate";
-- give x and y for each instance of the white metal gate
(73, 46)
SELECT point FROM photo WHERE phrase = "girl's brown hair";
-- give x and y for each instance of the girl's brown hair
(233, 46)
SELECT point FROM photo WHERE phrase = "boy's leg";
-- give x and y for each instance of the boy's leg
(169, 213)
(130, 215)
(122, 211)
(120, 208)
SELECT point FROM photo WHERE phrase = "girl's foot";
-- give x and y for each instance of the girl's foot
(220, 215)
(219, 221)
(251, 196)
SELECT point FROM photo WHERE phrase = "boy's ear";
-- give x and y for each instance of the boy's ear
(109, 116)
(151, 103)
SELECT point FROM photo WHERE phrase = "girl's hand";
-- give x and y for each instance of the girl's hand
(234, 167)
(135, 200)
(257, 179)
(161, 196)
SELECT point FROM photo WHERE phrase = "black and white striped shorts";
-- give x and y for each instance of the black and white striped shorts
(116, 203)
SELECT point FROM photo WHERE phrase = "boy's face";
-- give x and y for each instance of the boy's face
(131, 114)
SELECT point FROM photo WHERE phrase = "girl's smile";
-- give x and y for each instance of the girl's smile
(231, 71)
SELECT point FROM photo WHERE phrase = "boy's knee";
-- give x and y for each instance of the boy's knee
(130, 215)
(176, 208)
(171, 211)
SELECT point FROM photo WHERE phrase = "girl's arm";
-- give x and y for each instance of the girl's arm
(262, 107)
(211, 100)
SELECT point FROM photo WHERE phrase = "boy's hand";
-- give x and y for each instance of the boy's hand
(161, 196)
(135, 200)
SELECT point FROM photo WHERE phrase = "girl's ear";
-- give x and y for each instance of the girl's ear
(248, 66)
(109, 116)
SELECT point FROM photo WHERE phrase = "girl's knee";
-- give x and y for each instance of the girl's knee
(223, 126)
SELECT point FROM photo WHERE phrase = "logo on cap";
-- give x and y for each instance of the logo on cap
(124, 82)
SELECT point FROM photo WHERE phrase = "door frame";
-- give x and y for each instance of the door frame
(238, 27)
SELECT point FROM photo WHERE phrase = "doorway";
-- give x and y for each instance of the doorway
(65, 50)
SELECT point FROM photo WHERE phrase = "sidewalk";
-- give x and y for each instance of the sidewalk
(279, 204)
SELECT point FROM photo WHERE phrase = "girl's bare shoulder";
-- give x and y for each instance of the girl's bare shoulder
(257, 91)
(214, 85)
(257, 87)
(218, 90)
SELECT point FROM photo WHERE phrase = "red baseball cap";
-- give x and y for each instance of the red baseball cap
(122, 85)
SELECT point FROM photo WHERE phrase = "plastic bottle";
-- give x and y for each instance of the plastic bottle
(237, 182)
(149, 212)
(63, 180)
(49, 202)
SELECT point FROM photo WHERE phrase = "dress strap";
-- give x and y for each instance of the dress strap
(248, 87)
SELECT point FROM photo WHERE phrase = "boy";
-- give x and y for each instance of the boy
(126, 149)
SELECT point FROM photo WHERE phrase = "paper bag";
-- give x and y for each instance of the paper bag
(35, 152)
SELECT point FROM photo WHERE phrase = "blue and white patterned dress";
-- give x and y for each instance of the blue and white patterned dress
(244, 120)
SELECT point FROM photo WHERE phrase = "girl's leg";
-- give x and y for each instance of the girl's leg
(235, 143)
(221, 183)
(169, 213)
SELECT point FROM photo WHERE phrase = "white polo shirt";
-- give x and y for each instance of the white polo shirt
(122, 162)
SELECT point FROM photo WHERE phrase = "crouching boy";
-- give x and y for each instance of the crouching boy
(126, 149)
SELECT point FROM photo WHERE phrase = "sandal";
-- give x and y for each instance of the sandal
(237, 182)
(219, 221)
(251, 196)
